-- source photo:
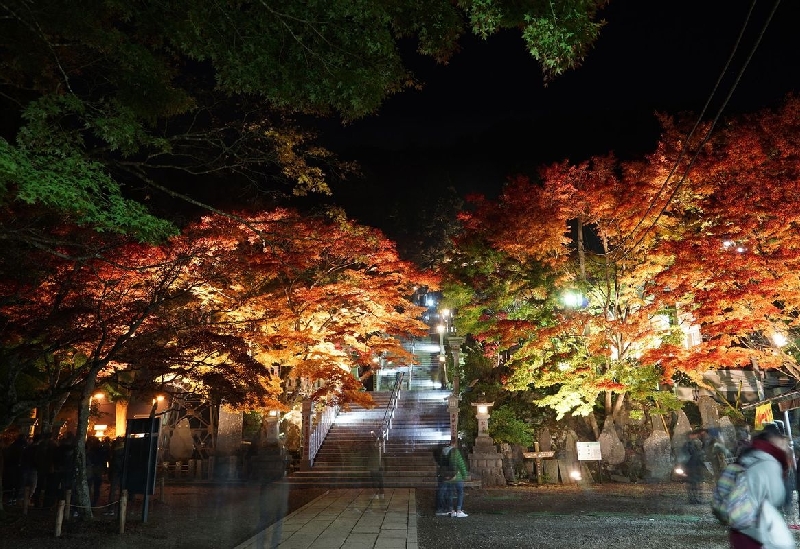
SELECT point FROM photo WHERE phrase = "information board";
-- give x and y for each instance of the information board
(588, 451)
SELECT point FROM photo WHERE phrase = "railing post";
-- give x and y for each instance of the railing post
(305, 461)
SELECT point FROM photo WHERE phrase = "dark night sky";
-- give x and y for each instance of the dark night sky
(488, 115)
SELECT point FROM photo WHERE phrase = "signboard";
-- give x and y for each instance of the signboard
(588, 451)
(538, 455)
(141, 445)
(763, 415)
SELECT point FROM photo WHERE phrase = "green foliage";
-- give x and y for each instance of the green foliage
(559, 40)
(79, 187)
(505, 426)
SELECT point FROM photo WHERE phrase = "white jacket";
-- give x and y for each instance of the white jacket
(765, 481)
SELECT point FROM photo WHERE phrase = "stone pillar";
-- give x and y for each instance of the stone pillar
(612, 449)
(567, 460)
(709, 411)
(121, 417)
(658, 453)
(485, 462)
(680, 434)
(452, 407)
(549, 470)
(229, 438)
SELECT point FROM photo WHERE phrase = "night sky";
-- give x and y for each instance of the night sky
(488, 114)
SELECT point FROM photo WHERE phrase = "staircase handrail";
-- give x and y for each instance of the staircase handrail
(320, 431)
(388, 415)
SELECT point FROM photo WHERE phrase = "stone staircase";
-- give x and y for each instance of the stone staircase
(421, 422)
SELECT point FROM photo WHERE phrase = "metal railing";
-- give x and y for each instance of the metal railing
(320, 431)
(388, 415)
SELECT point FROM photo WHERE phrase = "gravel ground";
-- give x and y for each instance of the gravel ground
(635, 516)
(191, 516)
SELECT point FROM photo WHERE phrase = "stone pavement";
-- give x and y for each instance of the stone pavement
(348, 518)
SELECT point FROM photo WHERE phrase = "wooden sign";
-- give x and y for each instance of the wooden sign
(588, 451)
(538, 455)
(785, 405)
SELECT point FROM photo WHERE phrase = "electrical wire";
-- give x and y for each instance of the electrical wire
(708, 133)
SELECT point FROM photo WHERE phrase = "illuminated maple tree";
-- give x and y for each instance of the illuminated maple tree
(678, 263)
(313, 298)
(736, 266)
(569, 314)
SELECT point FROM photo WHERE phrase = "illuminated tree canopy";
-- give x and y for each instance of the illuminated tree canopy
(647, 259)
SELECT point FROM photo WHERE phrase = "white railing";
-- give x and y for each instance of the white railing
(316, 436)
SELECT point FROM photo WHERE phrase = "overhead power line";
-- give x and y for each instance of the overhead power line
(708, 133)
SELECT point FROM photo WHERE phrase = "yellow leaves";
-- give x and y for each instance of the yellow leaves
(294, 162)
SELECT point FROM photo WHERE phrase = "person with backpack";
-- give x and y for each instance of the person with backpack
(460, 474)
(766, 466)
(444, 473)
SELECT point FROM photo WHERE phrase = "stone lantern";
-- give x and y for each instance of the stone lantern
(270, 460)
(486, 463)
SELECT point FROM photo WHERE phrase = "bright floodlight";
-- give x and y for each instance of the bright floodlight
(779, 339)
(445, 313)
(572, 299)
(440, 328)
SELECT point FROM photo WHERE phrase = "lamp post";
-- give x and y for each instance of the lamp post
(455, 343)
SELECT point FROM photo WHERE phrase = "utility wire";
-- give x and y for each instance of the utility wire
(708, 133)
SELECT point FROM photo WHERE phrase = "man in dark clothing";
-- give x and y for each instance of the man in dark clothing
(45, 471)
(13, 468)
(30, 475)
(64, 463)
(96, 459)
(115, 471)
(695, 466)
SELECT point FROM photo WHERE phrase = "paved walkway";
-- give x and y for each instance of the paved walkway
(346, 518)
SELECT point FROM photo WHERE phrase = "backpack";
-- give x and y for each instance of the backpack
(446, 468)
(732, 503)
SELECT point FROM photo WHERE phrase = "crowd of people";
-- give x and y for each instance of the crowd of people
(44, 468)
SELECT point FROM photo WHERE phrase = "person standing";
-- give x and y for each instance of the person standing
(444, 473)
(767, 466)
(30, 475)
(13, 468)
(695, 466)
(457, 482)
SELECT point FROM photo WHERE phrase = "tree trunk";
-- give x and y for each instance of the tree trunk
(83, 500)
(581, 251)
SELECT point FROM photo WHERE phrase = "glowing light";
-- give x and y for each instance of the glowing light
(483, 409)
(440, 328)
(98, 396)
(574, 300)
(779, 339)
(273, 413)
(445, 313)
(575, 474)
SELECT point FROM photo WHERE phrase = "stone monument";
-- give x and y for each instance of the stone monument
(657, 453)
(485, 463)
